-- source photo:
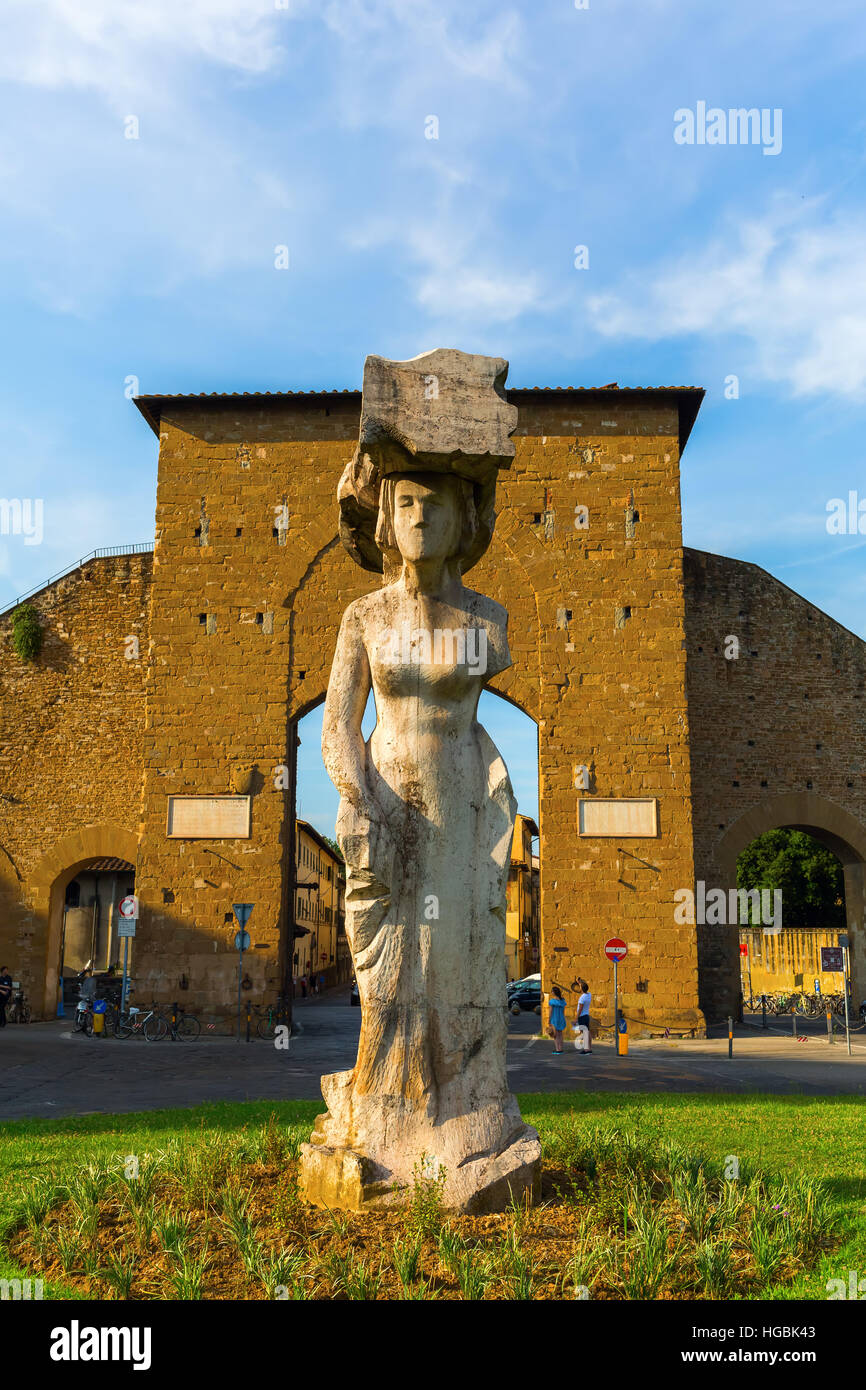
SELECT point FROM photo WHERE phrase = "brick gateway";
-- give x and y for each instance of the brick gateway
(184, 674)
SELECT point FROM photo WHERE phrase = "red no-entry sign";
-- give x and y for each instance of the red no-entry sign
(615, 949)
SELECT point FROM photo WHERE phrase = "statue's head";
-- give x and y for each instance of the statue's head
(425, 516)
(438, 426)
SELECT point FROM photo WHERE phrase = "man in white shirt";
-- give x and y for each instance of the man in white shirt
(583, 1041)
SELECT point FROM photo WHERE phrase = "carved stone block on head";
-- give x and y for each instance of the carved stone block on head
(442, 412)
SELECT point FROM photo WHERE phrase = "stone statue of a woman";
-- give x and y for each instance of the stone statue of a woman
(425, 824)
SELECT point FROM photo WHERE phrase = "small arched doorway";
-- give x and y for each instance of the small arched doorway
(77, 888)
(89, 938)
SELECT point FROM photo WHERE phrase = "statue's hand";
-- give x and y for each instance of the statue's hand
(365, 838)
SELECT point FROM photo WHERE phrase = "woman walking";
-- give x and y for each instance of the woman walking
(556, 1004)
(583, 1041)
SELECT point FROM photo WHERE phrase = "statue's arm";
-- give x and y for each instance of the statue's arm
(362, 830)
(342, 741)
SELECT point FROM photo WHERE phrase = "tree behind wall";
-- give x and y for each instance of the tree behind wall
(809, 875)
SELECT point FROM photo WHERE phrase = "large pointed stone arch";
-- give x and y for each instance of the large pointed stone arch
(829, 823)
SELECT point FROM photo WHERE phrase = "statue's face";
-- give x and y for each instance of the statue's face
(427, 517)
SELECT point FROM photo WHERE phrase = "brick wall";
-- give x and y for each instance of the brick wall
(778, 737)
(71, 730)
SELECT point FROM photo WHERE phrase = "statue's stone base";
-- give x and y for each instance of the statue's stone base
(344, 1180)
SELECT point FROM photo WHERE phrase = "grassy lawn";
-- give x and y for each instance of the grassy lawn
(806, 1141)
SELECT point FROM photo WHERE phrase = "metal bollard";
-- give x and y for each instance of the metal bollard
(730, 1036)
(248, 1020)
(830, 1038)
(763, 1010)
(793, 1024)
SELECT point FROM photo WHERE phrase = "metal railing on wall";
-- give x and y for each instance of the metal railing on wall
(138, 548)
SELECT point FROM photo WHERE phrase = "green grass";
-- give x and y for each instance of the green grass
(793, 1137)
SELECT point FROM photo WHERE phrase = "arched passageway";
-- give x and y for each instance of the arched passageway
(831, 825)
(101, 860)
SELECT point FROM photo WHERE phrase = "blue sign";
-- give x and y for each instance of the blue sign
(242, 912)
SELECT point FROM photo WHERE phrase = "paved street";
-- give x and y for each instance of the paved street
(47, 1070)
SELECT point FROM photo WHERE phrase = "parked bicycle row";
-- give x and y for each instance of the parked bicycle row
(809, 1005)
(105, 1017)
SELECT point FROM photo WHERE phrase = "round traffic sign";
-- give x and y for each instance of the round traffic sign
(615, 949)
(129, 907)
(242, 941)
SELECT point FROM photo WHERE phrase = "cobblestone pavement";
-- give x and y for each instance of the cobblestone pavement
(47, 1070)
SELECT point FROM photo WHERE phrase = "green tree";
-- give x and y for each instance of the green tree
(809, 875)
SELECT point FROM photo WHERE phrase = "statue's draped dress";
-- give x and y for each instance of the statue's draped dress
(429, 958)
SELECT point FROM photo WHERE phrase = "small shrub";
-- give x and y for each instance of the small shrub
(68, 1250)
(713, 1264)
(37, 1203)
(118, 1275)
(426, 1212)
(188, 1279)
(475, 1273)
(174, 1231)
(26, 632)
(280, 1270)
(451, 1247)
(362, 1282)
(274, 1143)
(407, 1260)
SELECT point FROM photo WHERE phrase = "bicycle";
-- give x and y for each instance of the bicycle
(839, 1007)
(151, 1025)
(112, 1013)
(810, 1005)
(183, 1025)
(273, 1016)
(782, 1003)
(20, 1010)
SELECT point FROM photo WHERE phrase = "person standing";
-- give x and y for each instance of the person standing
(556, 1005)
(5, 993)
(583, 1041)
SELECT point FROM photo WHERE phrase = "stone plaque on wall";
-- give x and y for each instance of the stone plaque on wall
(620, 818)
(208, 818)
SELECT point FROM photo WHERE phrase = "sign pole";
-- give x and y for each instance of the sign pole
(845, 987)
(125, 974)
(240, 977)
(242, 940)
(126, 928)
(617, 950)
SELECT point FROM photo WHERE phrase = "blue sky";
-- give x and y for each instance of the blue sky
(304, 125)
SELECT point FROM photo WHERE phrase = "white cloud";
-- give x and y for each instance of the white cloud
(110, 45)
(450, 268)
(794, 288)
(457, 292)
(435, 36)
